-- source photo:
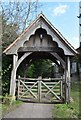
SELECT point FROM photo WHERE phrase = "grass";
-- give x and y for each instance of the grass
(71, 110)
(5, 108)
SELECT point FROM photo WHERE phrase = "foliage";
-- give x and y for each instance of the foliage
(6, 72)
(9, 35)
(15, 18)
(41, 67)
(8, 32)
(72, 109)
(8, 104)
(30, 71)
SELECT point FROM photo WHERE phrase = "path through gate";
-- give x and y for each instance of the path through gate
(41, 90)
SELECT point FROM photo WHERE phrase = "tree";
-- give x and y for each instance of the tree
(15, 18)
(40, 67)
(8, 31)
(20, 13)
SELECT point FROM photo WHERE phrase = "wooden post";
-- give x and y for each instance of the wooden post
(61, 88)
(68, 80)
(13, 77)
(68, 61)
(18, 86)
(66, 86)
(39, 88)
(16, 64)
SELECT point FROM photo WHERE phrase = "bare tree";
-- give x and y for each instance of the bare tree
(17, 15)
(20, 12)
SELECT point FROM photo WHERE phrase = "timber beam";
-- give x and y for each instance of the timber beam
(35, 49)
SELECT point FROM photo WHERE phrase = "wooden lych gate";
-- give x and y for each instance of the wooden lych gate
(41, 40)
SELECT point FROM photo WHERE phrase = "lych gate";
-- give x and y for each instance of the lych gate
(41, 40)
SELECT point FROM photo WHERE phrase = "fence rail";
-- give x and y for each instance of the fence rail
(41, 90)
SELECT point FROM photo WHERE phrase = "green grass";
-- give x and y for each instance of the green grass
(0, 109)
(71, 110)
(5, 108)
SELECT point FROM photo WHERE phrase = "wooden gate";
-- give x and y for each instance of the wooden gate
(41, 90)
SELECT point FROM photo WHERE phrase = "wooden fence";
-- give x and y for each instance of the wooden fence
(41, 90)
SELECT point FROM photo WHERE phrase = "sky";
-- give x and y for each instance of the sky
(63, 15)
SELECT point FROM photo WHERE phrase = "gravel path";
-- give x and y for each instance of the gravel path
(32, 110)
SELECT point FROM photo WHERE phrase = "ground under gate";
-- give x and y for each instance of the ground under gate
(41, 90)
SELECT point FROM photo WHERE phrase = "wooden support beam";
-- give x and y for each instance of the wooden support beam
(59, 58)
(35, 49)
(61, 88)
(13, 76)
(68, 79)
(18, 88)
(39, 90)
(68, 62)
(22, 58)
(39, 87)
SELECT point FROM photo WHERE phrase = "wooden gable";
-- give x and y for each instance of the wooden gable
(26, 40)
